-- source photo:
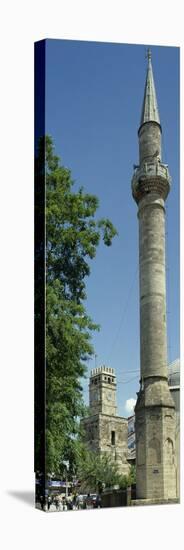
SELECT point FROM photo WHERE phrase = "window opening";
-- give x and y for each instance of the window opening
(112, 438)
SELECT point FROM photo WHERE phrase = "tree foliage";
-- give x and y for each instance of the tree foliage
(72, 237)
(97, 471)
(132, 475)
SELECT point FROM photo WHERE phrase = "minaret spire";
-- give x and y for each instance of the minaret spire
(150, 111)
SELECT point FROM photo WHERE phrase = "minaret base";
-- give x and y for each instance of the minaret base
(155, 424)
(152, 501)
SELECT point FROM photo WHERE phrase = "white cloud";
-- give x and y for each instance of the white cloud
(129, 405)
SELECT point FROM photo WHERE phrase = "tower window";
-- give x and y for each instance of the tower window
(112, 438)
(109, 380)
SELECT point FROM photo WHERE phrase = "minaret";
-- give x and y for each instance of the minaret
(155, 410)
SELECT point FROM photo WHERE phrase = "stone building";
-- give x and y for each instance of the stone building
(174, 386)
(105, 431)
(131, 439)
(155, 417)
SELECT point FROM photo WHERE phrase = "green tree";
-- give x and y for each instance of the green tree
(97, 471)
(72, 237)
(132, 475)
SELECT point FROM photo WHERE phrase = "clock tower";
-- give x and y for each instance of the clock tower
(103, 430)
(102, 391)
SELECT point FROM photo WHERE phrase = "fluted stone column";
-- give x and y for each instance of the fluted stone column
(155, 422)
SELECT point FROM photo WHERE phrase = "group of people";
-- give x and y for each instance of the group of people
(60, 502)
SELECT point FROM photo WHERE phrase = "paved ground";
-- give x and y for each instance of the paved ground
(52, 508)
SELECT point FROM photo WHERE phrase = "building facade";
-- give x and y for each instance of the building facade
(174, 386)
(131, 439)
(104, 431)
(155, 417)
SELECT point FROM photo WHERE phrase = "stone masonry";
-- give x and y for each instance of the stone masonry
(155, 423)
(105, 431)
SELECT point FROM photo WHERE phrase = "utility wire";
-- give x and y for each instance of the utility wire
(168, 289)
(170, 374)
(125, 382)
(164, 149)
(122, 319)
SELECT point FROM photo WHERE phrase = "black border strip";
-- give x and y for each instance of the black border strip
(39, 250)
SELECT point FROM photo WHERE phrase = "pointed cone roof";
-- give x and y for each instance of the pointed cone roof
(150, 108)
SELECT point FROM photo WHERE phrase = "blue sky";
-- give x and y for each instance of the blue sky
(94, 94)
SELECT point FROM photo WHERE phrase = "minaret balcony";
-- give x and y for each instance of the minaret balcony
(151, 177)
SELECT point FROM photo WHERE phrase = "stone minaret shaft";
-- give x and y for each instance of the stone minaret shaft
(155, 415)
